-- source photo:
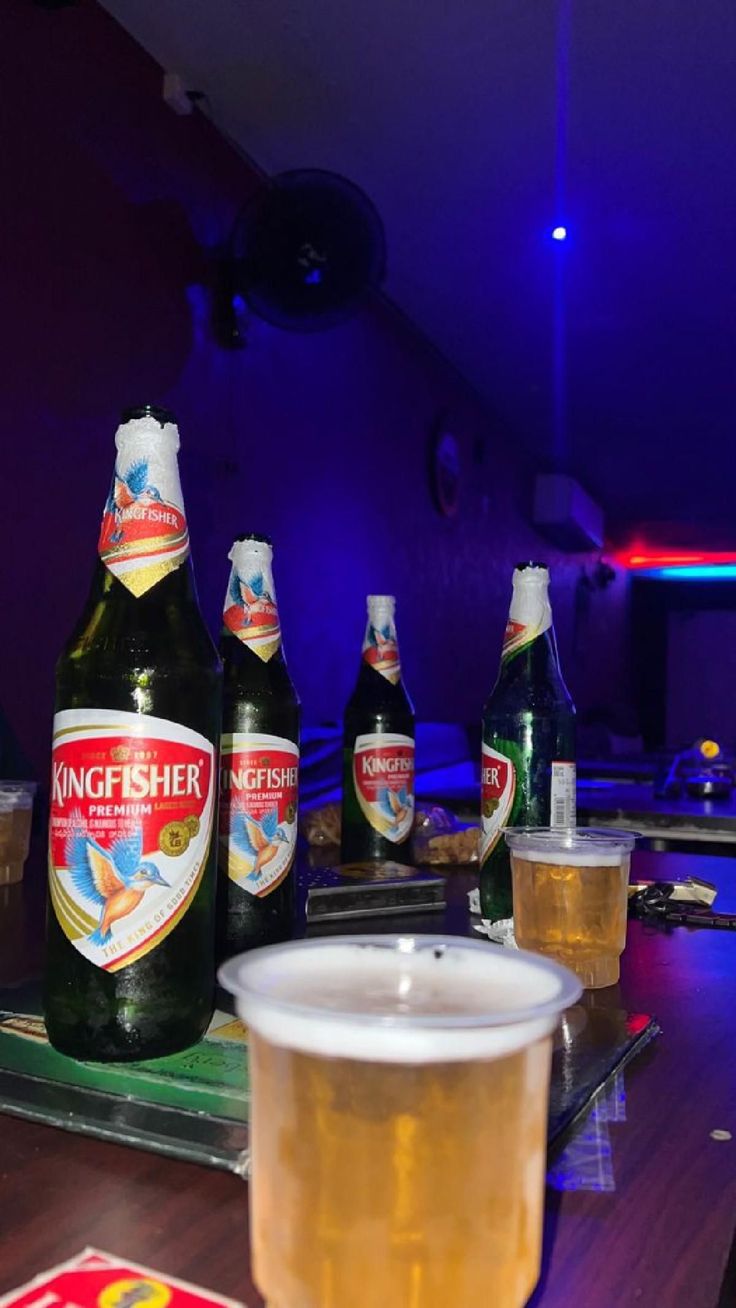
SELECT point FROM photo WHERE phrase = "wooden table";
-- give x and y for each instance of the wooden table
(661, 1240)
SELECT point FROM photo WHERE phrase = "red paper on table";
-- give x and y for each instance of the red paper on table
(99, 1280)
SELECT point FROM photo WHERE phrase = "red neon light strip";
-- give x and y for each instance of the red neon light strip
(638, 559)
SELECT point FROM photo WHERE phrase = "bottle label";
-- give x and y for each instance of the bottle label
(383, 774)
(529, 616)
(144, 533)
(132, 808)
(258, 809)
(562, 795)
(498, 788)
(381, 650)
(250, 611)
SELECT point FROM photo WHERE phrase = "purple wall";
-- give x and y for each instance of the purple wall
(320, 440)
(700, 677)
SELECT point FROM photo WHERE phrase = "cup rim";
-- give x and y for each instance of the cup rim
(239, 976)
(17, 794)
(571, 840)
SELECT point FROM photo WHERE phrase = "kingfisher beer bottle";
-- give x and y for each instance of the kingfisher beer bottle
(378, 748)
(259, 760)
(130, 954)
(528, 764)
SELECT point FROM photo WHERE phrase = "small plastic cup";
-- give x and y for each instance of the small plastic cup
(398, 1118)
(16, 808)
(570, 893)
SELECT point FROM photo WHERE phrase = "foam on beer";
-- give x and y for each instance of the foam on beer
(573, 857)
(584, 847)
(433, 1003)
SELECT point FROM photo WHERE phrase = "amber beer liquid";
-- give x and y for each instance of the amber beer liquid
(570, 889)
(378, 748)
(16, 806)
(259, 760)
(528, 752)
(130, 939)
(399, 1119)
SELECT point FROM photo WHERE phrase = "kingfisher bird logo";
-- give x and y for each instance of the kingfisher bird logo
(396, 805)
(128, 489)
(381, 650)
(258, 840)
(251, 612)
(254, 600)
(115, 880)
(384, 641)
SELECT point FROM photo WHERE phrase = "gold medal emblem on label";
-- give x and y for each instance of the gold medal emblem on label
(192, 825)
(173, 839)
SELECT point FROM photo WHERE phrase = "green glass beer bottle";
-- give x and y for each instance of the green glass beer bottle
(259, 761)
(131, 917)
(528, 762)
(378, 748)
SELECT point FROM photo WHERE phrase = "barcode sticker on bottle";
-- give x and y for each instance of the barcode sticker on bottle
(562, 795)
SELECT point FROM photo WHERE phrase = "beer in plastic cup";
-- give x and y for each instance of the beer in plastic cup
(399, 1119)
(570, 897)
(16, 807)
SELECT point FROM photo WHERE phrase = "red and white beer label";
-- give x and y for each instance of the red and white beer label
(380, 643)
(132, 810)
(383, 775)
(259, 776)
(530, 613)
(497, 790)
(250, 610)
(144, 533)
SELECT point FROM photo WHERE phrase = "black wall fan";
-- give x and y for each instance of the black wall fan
(305, 252)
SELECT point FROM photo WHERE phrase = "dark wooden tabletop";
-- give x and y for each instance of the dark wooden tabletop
(660, 1239)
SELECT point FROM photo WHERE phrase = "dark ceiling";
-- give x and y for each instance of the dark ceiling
(477, 127)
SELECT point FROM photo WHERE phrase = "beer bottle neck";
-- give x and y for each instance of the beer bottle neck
(175, 588)
(142, 605)
(248, 666)
(538, 661)
(529, 657)
(375, 696)
(164, 623)
(144, 534)
(376, 691)
(380, 653)
(250, 613)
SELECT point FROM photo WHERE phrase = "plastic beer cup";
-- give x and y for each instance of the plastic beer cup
(399, 1119)
(570, 894)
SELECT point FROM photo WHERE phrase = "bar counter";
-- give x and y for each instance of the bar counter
(681, 820)
(659, 1239)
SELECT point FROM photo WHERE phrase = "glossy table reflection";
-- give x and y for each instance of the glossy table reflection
(641, 1204)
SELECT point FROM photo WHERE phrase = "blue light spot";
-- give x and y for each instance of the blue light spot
(559, 233)
(314, 277)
